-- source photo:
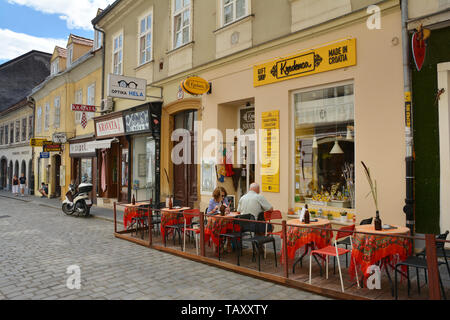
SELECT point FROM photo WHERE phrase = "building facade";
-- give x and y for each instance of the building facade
(17, 78)
(75, 79)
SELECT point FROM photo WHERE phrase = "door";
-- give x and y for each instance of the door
(124, 160)
(57, 176)
(185, 174)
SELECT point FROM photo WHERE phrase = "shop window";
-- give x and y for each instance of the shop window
(1, 135)
(69, 56)
(324, 147)
(11, 132)
(17, 130)
(181, 18)
(145, 39)
(6, 134)
(144, 167)
(86, 170)
(47, 117)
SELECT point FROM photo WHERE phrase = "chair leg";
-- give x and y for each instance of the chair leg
(259, 256)
(356, 273)
(442, 287)
(310, 267)
(418, 280)
(340, 273)
(275, 253)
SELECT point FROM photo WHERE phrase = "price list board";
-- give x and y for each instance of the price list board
(270, 167)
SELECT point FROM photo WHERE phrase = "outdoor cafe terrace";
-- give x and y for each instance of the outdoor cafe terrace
(371, 264)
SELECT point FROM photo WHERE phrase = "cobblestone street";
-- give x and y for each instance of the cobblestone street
(39, 243)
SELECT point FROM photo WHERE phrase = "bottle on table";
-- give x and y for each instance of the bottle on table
(133, 200)
(170, 202)
(378, 221)
(306, 218)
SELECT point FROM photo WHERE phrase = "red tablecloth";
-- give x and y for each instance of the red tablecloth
(170, 217)
(217, 225)
(299, 236)
(369, 249)
(132, 211)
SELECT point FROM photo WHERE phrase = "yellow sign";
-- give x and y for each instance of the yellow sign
(335, 56)
(270, 168)
(38, 142)
(195, 86)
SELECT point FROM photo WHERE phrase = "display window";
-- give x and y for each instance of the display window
(86, 170)
(144, 167)
(324, 148)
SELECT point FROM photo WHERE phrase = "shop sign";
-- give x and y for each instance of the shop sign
(83, 108)
(59, 138)
(270, 168)
(126, 87)
(110, 127)
(38, 142)
(195, 86)
(335, 56)
(44, 155)
(247, 119)
(81, 148)
(56, 147)
(137, 121)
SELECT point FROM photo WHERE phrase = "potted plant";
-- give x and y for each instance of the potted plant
(344, 216)
(330, 216)
(313, 214)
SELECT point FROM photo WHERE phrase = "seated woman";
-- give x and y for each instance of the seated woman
(218, 199)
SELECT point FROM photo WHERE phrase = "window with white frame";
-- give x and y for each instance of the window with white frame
(78, 100)
(55, 66)
(24, 129)
(47, 117)
(39, 120)
(145, 39)
(90, 99)
(30, 127)
(17, 130)
(1, 135)
(98, 40)
(57, 109)
(233, 10)
(69, 56)
(181, 18)
(118, 54)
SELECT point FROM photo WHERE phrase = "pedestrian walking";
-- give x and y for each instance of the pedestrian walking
(23, 182)
(15, 186)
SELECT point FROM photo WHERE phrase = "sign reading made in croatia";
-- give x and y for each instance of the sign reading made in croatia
(331, 57)
(126, 87)
(83, 108)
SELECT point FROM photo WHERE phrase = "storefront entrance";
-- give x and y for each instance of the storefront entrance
(3, 173)
(185, 174)
(57, 167)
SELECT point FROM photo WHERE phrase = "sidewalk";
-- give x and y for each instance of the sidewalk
(96, 212)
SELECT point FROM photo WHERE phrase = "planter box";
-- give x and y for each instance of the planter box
(339, 204)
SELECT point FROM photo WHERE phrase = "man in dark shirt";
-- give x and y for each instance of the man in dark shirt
(23, 182)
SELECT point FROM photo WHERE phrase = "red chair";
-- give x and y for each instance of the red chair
(188, 215)
(268, 217)
(335, 251)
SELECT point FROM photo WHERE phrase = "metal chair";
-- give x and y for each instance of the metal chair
(441, 252)
(188, 215)
(268, 217)
(258, 241)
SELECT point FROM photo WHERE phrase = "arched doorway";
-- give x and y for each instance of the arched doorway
(23, 168)
(57, 166)
(3, 173)
(16, 168)
(10, 174)
(185, 174)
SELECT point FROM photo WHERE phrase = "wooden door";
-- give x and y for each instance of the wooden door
(57, 176)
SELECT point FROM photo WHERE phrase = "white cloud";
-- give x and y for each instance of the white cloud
(77, 13)
(14, 44)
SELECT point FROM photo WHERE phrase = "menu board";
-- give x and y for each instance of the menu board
(270, 155)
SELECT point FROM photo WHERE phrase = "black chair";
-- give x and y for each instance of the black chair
(245, 228)
(258, 242)
(418, 263)
(441, 252)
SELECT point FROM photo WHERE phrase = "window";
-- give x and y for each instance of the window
(86, 170)
(90, 100)
(30, 127)
(57, 117)
(78, 100)
(181, 22)
(324, 147)
(98, 40)
(69, 56)
(233, 10)
(55, 66)
(17, 130)
(6, 134)
(39, 120)
(47, 117)
(1, 135)
(117, 54)
(24, 129)
(11, 133)
(145, 39)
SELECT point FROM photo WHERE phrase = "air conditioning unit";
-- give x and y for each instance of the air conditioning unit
(107, 105)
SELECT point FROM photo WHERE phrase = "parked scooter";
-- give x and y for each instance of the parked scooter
(78, 201)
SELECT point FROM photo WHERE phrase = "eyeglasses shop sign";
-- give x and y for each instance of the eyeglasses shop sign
(126, 87)
(137, 121)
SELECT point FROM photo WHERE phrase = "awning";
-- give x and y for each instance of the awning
(102, 144)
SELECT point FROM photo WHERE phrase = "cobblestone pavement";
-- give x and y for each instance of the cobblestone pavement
(39, 243)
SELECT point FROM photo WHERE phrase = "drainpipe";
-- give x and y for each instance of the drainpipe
(31, 99)
(103, 97)
(408, 209)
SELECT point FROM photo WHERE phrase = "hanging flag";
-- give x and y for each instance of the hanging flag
(83, 120)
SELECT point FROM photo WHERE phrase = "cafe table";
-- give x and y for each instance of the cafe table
(299, 234)
(381, 248)
(132, 211)
(170, 217)
(217, 225)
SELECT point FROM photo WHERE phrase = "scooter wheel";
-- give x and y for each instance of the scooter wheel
(67, 209)
(81, 208)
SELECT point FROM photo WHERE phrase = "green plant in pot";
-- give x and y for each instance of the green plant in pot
(343, 216)
(313, 214)
(330, 216)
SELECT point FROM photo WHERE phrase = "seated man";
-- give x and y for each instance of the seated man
(255, 203)
(43, 190)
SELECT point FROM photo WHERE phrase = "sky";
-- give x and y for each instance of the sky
(43, 24)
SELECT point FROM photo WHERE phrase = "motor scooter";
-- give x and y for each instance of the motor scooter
(78, 200)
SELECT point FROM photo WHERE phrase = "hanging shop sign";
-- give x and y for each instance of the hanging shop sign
(270, 168)
(59, 138)
(82, 149)
(83, 108)
(110, 127)
(195, 86)
(56, 147)
(419, 46)
(44, 155)
(247, 119)
(137, 121)
(37, 142)
(126, 87)
(335, 56)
